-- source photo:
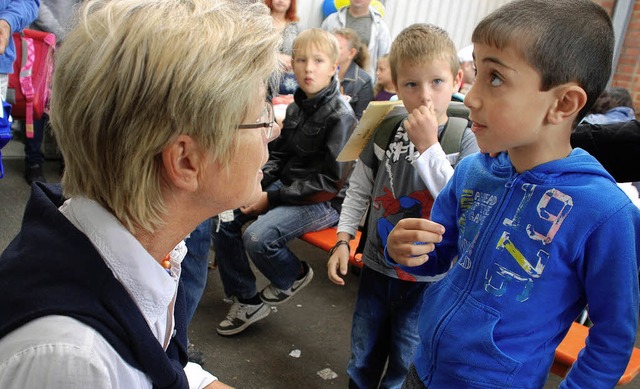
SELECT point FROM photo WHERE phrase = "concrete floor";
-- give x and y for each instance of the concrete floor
(317, 322)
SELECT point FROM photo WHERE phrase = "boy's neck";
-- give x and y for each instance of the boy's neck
(321, 91)
(549, 148)
(357, 12)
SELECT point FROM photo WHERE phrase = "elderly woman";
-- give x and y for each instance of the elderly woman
(159, 110)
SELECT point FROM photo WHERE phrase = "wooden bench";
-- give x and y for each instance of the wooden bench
(567, 353)
(325, 239)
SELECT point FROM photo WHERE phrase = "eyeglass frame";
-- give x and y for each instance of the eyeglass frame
(267, 126)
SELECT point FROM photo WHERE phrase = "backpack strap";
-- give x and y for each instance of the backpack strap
(26, 85)
(387, 128)
(452, 134)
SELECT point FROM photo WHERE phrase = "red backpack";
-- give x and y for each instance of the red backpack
(30, 82)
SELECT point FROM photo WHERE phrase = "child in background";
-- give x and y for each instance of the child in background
(355, 82)
(425, 72)
(301, 189)
(536, 233)
(612, 106)
(384, 89)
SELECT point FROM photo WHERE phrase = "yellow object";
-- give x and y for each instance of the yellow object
(375, 4)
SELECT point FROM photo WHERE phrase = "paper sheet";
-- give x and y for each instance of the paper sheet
(371, 119)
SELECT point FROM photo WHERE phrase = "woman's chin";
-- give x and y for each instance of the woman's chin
(250, 200)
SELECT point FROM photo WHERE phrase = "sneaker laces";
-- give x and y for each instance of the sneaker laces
(233, 311)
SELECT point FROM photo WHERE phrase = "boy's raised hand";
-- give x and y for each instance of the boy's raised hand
(422, 127)
(412, 239)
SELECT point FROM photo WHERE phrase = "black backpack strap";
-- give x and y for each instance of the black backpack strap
(388, 127)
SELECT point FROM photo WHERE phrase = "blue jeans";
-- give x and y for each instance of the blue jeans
(265, 242)
(195, 266)
(384, 330)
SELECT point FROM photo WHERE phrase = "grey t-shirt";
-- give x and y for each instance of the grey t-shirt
(362, 26)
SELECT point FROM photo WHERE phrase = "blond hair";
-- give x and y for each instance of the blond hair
(421, 43)
(318, 38)
(135, 74)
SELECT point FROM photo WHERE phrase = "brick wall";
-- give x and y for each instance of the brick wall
(627, 72)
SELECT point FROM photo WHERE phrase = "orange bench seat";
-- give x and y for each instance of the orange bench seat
(567, 353)
(326, 239)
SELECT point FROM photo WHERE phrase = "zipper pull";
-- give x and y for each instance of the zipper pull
(509, 184)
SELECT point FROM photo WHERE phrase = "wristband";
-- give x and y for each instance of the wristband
(338, 244)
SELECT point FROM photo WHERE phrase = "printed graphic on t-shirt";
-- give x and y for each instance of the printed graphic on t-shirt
(402, 194)
(523, 240)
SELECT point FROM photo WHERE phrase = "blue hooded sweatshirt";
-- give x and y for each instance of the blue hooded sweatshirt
(529, 251)
(18, 13)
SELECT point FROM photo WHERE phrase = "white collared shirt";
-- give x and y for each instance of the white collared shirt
(58, 351)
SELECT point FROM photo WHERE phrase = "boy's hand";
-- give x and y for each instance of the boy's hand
(5, 35)
(261, 206)
(339, 261)
(411, 240)
(422, 127)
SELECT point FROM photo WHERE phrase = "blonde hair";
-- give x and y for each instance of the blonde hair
(135, 74)
(321, 39)
(362, 51)
(421, 43)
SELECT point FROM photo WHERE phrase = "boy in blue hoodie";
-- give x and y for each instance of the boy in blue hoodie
(532, 236)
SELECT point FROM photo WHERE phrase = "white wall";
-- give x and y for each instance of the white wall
(457, 17)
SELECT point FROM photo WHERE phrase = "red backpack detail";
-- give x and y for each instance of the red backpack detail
(30, 82)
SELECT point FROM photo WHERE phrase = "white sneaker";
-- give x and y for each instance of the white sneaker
(241, 316)
(274, 296)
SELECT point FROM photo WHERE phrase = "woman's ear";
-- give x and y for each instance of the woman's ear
(570, 98)
(182, 161)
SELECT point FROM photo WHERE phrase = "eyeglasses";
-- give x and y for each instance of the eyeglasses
(266, 121)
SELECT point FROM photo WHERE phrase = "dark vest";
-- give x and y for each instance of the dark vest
(51, 268)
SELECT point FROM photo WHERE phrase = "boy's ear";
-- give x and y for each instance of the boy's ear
(335, 66)
(395, 86)
(457, 79)
(569, 100)
(181, 160)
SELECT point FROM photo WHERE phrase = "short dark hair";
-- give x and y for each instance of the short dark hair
(564, 40)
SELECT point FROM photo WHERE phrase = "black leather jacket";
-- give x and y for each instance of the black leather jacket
(303, 158)
(358, 85)
(616, 146)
